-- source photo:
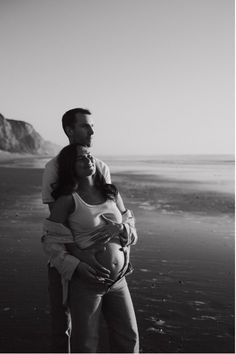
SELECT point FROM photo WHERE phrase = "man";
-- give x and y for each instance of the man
(79, 128)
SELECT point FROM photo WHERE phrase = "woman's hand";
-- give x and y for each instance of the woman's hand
(88, 273)
(105, 233)
(88, 257)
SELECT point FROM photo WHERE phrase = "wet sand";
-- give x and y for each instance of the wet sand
(183, 283)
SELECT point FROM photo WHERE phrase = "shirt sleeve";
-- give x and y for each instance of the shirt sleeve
(60, 259)
(49, 177)
(104, 170)
(129, 235)
(55, 235)
(107, 174)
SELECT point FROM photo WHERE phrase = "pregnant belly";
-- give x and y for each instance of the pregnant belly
(112, 258)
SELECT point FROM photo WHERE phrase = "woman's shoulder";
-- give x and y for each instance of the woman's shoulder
(65, 200)
(63, 206)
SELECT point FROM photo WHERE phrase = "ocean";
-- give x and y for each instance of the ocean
(214, 172)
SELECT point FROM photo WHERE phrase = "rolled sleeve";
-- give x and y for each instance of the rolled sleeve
(59, 258)
(55, 236)
(130, 236)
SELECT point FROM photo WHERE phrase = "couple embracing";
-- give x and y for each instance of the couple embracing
(87, 237)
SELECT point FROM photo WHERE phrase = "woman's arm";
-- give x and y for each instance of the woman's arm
(62, 208)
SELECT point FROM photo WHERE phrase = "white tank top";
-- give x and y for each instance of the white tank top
(86, 218)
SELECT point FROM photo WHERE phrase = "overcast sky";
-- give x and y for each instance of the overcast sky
(158, 75)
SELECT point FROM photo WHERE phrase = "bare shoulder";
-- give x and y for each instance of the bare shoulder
(65, 200)
(62, 207)
(52, 163)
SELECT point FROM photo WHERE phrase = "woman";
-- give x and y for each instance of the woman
(87, 206)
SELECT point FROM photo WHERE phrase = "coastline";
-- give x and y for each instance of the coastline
(183, 283)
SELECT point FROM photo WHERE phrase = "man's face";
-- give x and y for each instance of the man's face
(83, 130)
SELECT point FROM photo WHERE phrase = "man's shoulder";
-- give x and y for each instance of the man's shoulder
(101, 164)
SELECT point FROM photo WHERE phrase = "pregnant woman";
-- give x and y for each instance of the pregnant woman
(89, 209)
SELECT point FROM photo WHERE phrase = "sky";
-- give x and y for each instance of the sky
(157, 75)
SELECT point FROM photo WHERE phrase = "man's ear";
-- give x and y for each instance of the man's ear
(69, 131)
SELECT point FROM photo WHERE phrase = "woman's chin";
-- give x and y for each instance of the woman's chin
(91, 171)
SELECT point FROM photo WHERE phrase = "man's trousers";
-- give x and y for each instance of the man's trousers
(60, 317)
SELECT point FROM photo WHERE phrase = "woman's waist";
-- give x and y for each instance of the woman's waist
(112, 257)
(111, 249)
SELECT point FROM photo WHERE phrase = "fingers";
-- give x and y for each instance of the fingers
(108, 221)
(102, 237)
(99, 230)
(87, 272)
(92, 267)
(100, 270)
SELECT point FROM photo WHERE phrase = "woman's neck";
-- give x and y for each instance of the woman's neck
(86, 183)
(90, 193)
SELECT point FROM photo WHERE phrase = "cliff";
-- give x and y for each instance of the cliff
(21, 137)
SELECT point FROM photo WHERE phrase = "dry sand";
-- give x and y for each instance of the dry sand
(183, 284)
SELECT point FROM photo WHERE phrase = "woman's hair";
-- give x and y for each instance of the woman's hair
(67, 181)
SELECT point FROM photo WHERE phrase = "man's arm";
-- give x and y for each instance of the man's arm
(59, 257)
(49, 178)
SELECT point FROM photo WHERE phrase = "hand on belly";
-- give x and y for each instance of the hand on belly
(112, 257)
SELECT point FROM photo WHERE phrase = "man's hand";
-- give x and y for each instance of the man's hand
(88, 273)
(88, 257)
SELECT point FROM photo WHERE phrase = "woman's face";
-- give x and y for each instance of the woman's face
(84, 164)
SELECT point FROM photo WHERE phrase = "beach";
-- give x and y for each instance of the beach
(183, 283)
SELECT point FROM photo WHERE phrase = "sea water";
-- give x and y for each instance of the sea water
(215, 172)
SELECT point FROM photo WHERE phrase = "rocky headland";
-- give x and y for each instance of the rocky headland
(20, 137)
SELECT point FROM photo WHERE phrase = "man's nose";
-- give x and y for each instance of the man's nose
(91, 131)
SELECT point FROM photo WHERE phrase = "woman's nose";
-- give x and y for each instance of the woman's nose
(88, 158)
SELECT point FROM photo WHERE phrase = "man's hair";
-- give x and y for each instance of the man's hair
(69, 118)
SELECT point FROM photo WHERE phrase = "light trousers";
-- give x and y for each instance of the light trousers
(87, 301)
